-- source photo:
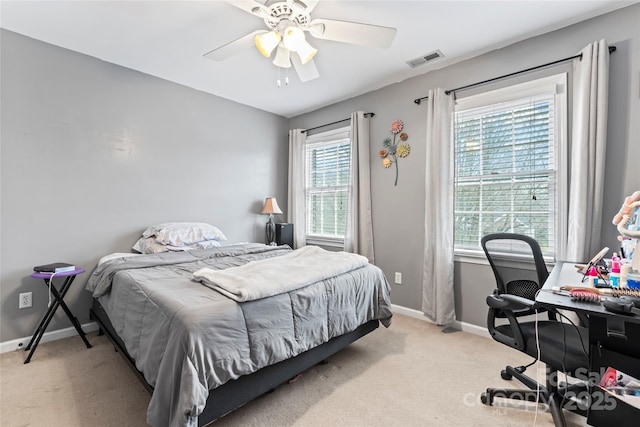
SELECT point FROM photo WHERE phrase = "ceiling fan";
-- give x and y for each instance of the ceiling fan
(287, 22)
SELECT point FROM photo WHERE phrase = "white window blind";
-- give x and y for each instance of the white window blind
(328, 169)
(506, 166)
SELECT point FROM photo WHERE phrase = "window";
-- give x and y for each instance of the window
(328, 171)
(509, 144)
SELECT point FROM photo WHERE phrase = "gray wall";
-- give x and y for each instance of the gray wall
(398, 212)
(92, 153)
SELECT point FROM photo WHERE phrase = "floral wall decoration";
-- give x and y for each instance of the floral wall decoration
(395, 147)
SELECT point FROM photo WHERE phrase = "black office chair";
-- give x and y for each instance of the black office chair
(520, 271)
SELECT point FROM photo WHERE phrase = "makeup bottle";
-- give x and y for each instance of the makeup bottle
(614, 275)
(593, 277)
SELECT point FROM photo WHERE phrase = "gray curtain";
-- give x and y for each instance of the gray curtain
(437, 273)
(359, 233)
(297, 214)
(588, 148)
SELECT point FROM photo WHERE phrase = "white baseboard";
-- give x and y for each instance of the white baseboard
(473, 329)
(20, 343)
(409, 312)
(461, 326)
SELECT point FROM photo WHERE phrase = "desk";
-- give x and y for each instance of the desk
(614, 341)
(58, 296)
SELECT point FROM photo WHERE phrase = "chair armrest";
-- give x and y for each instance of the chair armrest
(509, 302)
(507, 305)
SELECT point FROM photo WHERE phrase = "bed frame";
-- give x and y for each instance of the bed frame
(235, 393)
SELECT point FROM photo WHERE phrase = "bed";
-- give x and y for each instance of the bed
(204, 350)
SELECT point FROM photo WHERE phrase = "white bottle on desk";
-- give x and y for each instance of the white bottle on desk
(624, 269)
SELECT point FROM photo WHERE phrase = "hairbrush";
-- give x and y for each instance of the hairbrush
(620, 292)
(584, 295)
(579, 294)
(614, 292)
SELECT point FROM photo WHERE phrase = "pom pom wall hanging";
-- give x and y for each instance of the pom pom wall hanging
(395, 147)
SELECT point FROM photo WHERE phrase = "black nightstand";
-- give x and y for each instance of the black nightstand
(284, 234)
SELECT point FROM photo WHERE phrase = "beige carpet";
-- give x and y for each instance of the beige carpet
(411, 374)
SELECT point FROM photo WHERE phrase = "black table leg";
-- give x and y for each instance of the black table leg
(72, 318)
(48, 316)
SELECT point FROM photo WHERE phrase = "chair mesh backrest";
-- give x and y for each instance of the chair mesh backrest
(517, 263)
(523, 288)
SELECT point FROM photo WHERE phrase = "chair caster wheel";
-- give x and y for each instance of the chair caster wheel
(505, 375)
(484, 398)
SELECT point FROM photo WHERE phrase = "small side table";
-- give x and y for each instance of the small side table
(58, 296)
(284, 234)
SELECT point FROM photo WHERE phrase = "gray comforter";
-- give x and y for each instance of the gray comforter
(187, 338)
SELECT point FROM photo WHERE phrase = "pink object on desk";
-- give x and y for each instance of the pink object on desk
(593, 276)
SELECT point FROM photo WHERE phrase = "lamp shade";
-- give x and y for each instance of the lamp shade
(306, 52)
(293, 38)
(267, 42)
(271, 206)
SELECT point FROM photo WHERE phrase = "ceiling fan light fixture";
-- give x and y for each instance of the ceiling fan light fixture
(293, 38)
(306, 52)
(267, 42)
(286, 23)
(282, 59)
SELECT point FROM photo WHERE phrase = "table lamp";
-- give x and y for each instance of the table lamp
(271, 207)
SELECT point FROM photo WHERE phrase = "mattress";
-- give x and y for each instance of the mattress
(187, 338)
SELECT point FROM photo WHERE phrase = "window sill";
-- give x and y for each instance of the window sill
(470, 257)
(477, 257)
(325, 241)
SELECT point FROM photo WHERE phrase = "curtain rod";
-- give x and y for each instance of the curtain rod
(447, 92)
(336, 122)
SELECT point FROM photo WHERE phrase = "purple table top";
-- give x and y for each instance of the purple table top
(77, 271)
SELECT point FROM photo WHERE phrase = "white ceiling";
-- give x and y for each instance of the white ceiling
(168, 39)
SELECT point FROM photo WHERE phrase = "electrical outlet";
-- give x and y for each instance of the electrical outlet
(398, 278)
(25, 300)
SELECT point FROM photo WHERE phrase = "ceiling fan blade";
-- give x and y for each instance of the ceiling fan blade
(243, 43)
(306, 71)
(250, 6)
(352, 32)
(302, 5)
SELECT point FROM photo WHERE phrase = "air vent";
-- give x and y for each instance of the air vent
(432, 56)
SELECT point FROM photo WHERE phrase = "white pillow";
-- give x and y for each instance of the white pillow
(149, 245)
(183, 233)
(115, 256)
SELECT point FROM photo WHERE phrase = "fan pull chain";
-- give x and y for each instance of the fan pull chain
(286, 79)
